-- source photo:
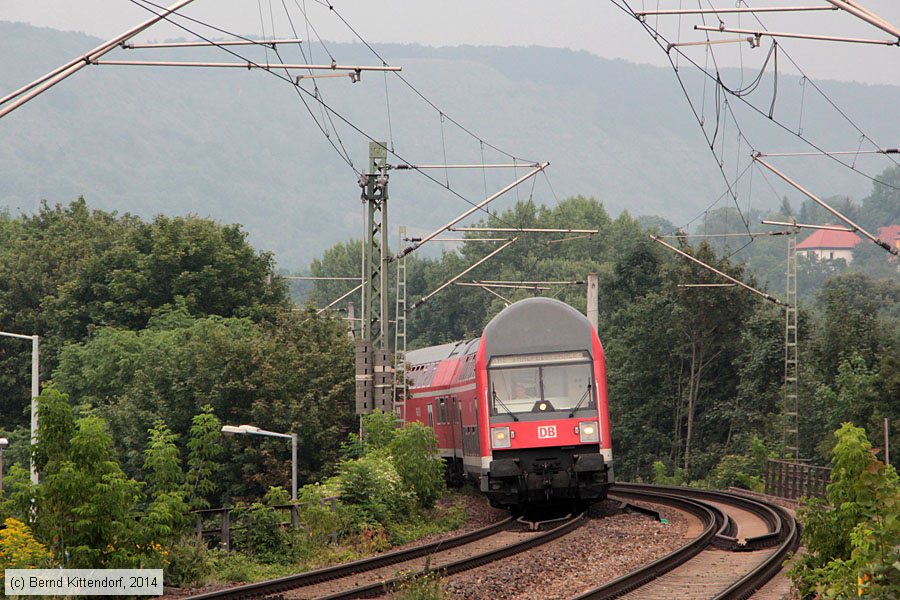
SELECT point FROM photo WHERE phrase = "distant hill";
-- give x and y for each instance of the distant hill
(240, 147)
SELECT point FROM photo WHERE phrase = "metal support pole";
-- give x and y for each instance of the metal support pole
(35, 392)
(821, 203)
(717, 272)
(44, 83)
(295, 518)
(593, 309)
(1, 469)
(887, 447)
(477, 207)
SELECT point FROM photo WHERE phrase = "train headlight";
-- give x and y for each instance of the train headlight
(500, 437)
(589, 432)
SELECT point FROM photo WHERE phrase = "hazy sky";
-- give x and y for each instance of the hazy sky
(593, 25)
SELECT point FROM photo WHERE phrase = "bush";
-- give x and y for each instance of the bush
(259, 533)
(735, 471)
(853, 545)
(19, 549)
(189, 563)
(414, 449)
(661, 478)
(373, 485)
(425, 586)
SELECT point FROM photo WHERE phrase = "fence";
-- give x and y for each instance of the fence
(224, 529)
(789, 479)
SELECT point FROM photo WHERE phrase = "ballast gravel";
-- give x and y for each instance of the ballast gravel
(608, 546)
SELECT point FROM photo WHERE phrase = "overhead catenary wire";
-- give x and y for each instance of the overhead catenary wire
(147, 4)
(824, 205)
(457, 277)
(415, 90)
(625, 7)
(660, 40)
(24, 94)
(738, 282)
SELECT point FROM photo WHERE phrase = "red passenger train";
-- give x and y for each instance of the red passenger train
(523, 409)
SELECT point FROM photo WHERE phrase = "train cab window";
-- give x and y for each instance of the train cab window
(531, 386)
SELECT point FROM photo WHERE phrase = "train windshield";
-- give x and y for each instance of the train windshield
(549, 383)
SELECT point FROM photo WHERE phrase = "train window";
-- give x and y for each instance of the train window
(541, 388)
(430, 416)
(442, 411)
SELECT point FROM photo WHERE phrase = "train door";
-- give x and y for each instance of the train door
(456, 412)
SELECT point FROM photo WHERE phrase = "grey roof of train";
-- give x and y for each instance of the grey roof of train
(437, 353)
(537, 325)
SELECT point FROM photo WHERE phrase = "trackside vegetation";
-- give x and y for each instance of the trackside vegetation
(853, 538)
(89, 514)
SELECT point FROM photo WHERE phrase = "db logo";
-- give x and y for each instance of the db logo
(548, 431)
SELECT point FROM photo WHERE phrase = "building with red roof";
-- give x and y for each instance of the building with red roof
(825, 244)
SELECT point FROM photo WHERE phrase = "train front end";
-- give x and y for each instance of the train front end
(543, 413)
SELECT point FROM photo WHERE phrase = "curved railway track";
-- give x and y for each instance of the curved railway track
(294, 585)
(716, 564)
(741, 544)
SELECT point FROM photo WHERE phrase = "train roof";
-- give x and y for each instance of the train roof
(433, 354)
(537, 325)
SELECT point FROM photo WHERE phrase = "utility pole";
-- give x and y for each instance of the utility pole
(374, 367)
(593, 310)
(790, 445)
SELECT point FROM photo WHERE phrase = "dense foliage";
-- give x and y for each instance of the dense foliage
(291, 375)
(68, 270)
(853, 540)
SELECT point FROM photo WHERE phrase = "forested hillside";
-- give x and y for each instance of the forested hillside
(695, 374)
(240, 147)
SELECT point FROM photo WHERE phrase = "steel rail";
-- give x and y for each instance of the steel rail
(783, 534)
(773, 520)
(382, 587)
(768, 568)
(273, 586)
(664, 564)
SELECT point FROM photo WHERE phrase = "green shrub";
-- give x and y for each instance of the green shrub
(188, 563)
(853, 545)
(736, 471)
(372, 484)
(660, 476)
(414, 450)
(425, 586)
(258, 533)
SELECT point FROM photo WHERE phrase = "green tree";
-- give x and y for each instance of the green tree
(68, 269)
(857, 536)
(204, 448)
(85, 502)
(166, 514)
(292, 375)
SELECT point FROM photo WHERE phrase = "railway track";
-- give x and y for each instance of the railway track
(723, 562)
(739, 544)
(326, 583)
